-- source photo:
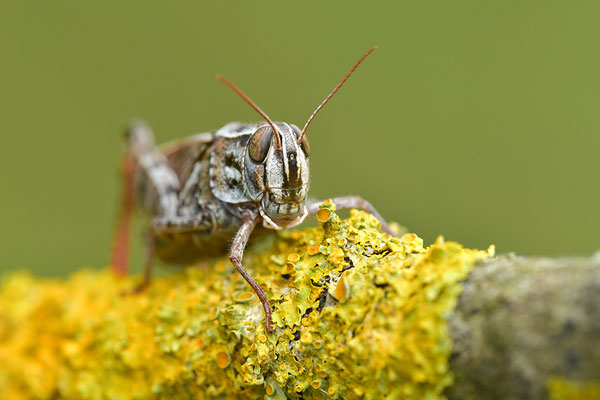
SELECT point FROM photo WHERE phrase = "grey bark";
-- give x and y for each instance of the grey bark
(520, 321)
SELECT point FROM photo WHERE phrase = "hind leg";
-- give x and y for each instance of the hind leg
(156, 183)
(120, 250)
(147, 267)
(146, 175)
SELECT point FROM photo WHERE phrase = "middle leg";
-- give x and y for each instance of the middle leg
(346, 202)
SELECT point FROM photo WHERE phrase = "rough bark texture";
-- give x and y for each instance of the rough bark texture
(521, 321)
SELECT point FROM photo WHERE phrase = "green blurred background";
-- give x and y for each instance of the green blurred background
(475, 120)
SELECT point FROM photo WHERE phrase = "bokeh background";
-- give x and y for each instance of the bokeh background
(475, 120)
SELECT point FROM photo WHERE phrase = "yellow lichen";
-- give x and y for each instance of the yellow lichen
(562, 389)
(293, 257)
(357, 313)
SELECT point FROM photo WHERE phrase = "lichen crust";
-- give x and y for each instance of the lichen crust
(560, 388)
(358, 314)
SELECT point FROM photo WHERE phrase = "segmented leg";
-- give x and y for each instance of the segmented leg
(147, 268)
(236, 254)
(146, 173)
(157, 182)
(120, 249)
(354, 202)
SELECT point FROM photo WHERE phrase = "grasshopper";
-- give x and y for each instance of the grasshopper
(203, 190)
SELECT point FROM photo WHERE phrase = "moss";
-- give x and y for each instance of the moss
(358, 314)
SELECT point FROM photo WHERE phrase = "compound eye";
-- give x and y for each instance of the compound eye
(258, 146)
(304, 143)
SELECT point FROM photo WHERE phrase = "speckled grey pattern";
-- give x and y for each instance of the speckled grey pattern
(520, 321)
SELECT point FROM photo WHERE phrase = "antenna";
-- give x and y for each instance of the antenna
(333, 92)
(252, 104)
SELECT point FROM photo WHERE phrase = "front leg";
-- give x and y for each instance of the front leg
(236, 254)
(354, 202)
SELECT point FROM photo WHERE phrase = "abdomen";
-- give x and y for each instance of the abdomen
(191, 247)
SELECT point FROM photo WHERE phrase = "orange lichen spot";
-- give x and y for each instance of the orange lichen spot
(221, 267)
(323, 215)
(288, 268)
(293, 257)
(318, 368)
(306, 337)
(223, 359)
(244, 297)
(214, 313)
(313, 249)
(408, 237)
(262, 338)
(327, 202)
(317, 345)
(270, 390)
(331, 391)
(323, 374)
(315, 384)
(282, 367)
(263, 357)
(298, 388)
(342, 242)
(342, 289)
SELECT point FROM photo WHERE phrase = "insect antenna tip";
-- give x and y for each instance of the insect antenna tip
(339, 85)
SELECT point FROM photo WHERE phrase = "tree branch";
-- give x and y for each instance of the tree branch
(357, 314)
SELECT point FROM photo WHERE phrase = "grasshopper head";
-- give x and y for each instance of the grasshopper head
(276, 162)
(277, 175)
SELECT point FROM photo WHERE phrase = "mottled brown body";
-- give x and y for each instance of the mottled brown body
(208, 193)
(204, 162)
